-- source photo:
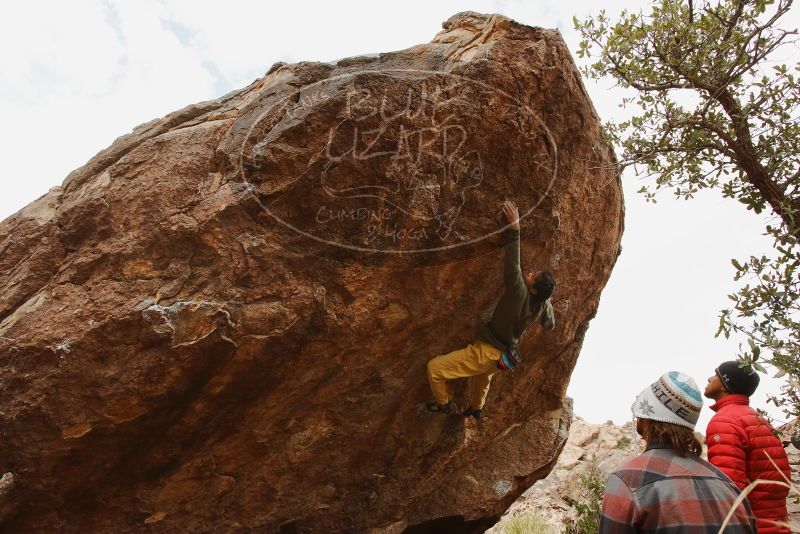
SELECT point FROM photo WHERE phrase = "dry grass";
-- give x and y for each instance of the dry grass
(529, 523)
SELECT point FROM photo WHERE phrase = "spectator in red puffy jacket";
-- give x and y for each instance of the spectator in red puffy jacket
(741, 443)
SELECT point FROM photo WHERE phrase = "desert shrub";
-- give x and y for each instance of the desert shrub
(589, 505)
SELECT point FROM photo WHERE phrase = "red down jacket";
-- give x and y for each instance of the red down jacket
(739, 440)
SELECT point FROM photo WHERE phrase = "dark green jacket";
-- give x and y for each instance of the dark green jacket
(515, 311)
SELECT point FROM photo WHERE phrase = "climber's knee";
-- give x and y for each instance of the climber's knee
(431, 366)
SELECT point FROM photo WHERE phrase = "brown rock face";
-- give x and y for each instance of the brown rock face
(221, 322)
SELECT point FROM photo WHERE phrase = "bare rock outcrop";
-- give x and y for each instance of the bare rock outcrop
(221, 322)
(790, 435)
(603, 447)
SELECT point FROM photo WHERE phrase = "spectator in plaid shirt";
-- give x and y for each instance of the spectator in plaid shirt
(669, 488)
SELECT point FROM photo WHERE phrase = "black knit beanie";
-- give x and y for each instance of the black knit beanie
(738, 380)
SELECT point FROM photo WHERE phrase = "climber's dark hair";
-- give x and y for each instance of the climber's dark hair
(545, 284)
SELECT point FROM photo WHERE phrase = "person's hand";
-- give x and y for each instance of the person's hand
(511, 213)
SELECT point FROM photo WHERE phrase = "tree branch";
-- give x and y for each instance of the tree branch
(746, 157)
(731, 24)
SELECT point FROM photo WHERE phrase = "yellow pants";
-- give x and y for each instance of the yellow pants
(478, 360)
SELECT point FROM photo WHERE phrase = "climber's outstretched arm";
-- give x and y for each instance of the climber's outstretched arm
(512, 272)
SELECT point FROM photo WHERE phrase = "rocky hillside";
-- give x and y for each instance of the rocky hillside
(605, 446)
(788, 432)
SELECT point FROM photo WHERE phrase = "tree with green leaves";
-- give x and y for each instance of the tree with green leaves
(714, 107)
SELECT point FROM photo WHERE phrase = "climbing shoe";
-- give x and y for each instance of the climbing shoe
(472, 412)
(434, 406)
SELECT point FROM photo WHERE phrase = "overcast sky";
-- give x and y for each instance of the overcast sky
(76, 75)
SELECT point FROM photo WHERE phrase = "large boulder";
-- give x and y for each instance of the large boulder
(221, 322)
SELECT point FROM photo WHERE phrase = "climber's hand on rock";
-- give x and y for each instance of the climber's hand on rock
(511, 213)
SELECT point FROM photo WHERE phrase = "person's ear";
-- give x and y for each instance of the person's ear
(722, 384)
(645, 429)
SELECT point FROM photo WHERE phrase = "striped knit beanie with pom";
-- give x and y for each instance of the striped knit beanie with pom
(673, 398)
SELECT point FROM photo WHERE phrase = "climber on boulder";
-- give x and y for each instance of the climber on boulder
(525, 302)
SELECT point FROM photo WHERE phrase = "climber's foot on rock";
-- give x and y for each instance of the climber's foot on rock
(473, 412)
(434, 406)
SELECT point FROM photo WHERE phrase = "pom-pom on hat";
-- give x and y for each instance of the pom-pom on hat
(673, 398)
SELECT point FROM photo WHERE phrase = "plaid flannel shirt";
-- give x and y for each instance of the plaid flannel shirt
(660, 492)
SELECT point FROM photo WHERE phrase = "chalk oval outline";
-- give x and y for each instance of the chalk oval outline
(548, 135)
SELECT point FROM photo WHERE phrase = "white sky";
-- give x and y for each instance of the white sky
(76, 75)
